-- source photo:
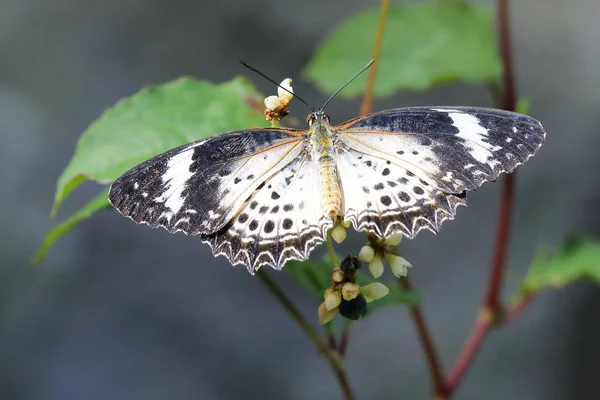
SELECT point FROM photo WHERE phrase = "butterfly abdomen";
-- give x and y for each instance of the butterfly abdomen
(321, 136)
(331, 195)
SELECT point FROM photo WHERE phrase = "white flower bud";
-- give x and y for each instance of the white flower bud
(339, 233)
(337, 275)
(398, 264)
(325, 315)
(376, 267)
(366, 254)
(350, 291)
(394, 240)
(283, 95)
(333, 300)
(272, 102)
(347, 224)
(374, 291)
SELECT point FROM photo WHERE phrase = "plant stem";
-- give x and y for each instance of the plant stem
(469, 350)
(331, 251)
(491, 310)
(517, 308)
(345, 337)
(367, 102)
(431, 355)
(335, 361)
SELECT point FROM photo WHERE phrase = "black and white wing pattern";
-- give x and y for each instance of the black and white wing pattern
(221, 188)
(407, 169)
(283, 220)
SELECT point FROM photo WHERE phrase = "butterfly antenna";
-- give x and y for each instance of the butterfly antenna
(349, 81)
(275, 83)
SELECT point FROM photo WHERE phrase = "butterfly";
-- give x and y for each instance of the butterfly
(268, 195)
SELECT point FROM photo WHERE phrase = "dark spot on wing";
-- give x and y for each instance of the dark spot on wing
(404, 196)
(385, 172)
(275, 195)
(243, 218)
(263, 209)
(287, 223)
(378, 186)
(253, 225)
(385, 200)
(288, 207)
(269, 226)
(418, 190)
(274, 209)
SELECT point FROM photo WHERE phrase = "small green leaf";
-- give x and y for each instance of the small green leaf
(153, 121)
(313, 275)
(523, 106)
(97, 203)
(424, 44)
(577, 258)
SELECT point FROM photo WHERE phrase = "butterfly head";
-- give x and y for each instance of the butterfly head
(316, 115)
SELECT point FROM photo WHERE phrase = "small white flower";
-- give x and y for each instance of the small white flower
(272, 102)
(284, 95)
(376, 267)
(339, 233)
(333, 298)
(326, 315)
(350, 291)
(394, 240)
(337, 275)
(398, 264)
(366, 254)
(374, 291)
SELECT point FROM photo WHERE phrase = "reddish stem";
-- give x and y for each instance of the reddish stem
(345, 337)
(435, 367)
(492, 300)
(517, 308)
(492, 306)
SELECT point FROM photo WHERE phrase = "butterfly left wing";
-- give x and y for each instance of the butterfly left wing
(283, 219)
(433, 154)
(197, 188)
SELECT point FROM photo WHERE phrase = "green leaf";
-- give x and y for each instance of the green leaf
(424, 44)
(523, 106)
(313, 275)
(99, 202)
(153, 121)
(577, 258)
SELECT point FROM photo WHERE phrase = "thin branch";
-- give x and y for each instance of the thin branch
(489, 315)
(517, 308)
(335, 361)
(345, 337)
(331, 251)
(492, 300)
(435, 367)
(470, 349)
(367, 103)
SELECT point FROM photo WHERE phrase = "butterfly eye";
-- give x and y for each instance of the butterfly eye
(310, 119)
(326, 117)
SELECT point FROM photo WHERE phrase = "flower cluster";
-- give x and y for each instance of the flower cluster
(379, 248)
(346, 295)
(276, 106)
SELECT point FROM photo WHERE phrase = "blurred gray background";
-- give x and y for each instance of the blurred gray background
(125, 312)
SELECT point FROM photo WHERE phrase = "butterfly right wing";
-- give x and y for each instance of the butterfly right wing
(199, 187)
